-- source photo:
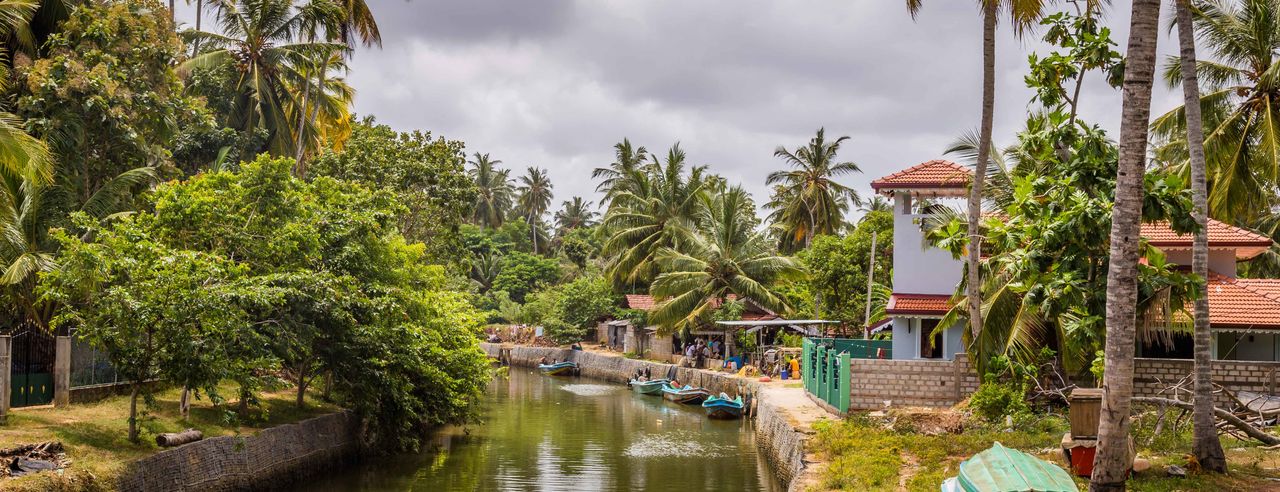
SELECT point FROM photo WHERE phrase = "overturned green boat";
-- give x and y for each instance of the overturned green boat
(1002, 469)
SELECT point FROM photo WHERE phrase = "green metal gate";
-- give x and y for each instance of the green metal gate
(826, 369)
(31, 376)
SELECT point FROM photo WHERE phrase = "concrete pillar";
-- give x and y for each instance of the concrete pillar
(62, 372)
(6, 376)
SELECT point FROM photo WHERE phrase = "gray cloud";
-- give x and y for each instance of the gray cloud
(557, 83)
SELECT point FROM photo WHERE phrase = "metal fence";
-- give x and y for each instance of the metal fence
(826, 369)
(90, 366)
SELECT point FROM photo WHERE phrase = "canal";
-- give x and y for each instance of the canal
(559, 434)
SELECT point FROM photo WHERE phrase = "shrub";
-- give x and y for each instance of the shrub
(994, 400)
(560, 332)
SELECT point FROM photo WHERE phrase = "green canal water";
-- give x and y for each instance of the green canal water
(573, 434)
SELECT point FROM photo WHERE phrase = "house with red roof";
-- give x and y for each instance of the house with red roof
(1244, 314)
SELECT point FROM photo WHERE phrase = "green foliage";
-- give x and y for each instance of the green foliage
(1084, 44)
(426, 174)
(337, 291)
(562, 332)
(107, 98)
(806, 200)
(580, 245)
(522, 273)
(729, 310)
(838, 267)
(994, 400)
(586, 300)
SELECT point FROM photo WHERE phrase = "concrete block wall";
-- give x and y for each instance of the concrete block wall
(912, 383)
(271, 460)
(1152, 376)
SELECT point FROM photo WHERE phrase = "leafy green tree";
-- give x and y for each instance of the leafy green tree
(534, 199)
(732, 258)
(837, 267)
(522, 273)
(807, 200)
(586, 300)
(581, 245)
(495, 191)
(614, 179)
(264, 41)
(426, 174)
(1241, 108)
(657, 209)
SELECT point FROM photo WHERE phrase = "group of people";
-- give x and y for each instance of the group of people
(700, 350)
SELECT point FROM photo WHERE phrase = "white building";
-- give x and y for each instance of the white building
(1244, 313)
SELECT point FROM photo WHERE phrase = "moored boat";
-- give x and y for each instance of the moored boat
(722, 407)
(567, 368)
(1001, 469)
(651, 387)
(686, 394)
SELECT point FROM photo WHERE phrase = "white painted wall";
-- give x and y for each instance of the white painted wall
(1222, 261)
(917, 267)
(952, 341)
(906, 339)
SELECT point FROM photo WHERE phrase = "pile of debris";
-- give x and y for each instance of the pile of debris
(33, 458)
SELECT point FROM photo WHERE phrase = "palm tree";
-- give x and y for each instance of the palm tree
(495, 191)
(730, 258)
(358, 22)
(875, 204)
(808, 200)
(576, 213)
(658, 209)
(1240, 103)
(1024, 14)
(1111, 464)
(1206, 446)
(260, 38)
(534, 200)
(323, 115)
(627, 159)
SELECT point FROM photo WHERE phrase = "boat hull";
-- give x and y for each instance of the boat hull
(648, 387)
(561, 369)
(723, 408)
(687, 396)
(726, 413)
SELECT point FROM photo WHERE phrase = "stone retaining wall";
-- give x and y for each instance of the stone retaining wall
(272, 459)
(781, 443)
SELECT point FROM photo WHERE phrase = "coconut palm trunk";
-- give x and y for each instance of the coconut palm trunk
(1111, 464)
(1206, 446)
(973, 285)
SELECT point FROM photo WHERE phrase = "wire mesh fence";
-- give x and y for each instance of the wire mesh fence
(90, 366)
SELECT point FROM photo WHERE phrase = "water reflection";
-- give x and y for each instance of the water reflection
(552, 434)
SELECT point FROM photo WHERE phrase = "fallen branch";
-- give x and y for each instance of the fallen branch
(1243, 426)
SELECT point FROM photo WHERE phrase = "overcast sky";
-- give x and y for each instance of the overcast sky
(555, 83)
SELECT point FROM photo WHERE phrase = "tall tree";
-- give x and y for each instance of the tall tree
(494, 190)
(627, 159)
(808, 200)
(576, 213)
(1111, 464)
(1206, 446)
(263, 40)
(657, 210)
(1240, 103)
(534, 200)
(1024, 14)
(731, 257)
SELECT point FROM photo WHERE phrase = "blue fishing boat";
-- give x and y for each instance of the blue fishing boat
(651, 387)
(686, 394)
(721, 407)
(566, 368)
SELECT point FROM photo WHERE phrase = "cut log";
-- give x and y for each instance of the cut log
(171, 439)
(1249, 430)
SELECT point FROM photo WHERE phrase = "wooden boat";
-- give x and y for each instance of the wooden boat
(1265, 405)
(722, 407)
(566, 368)
(650, 387)
(1001, 469)
(687, 394)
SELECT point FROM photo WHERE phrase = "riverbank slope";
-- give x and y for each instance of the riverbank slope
(784, 416)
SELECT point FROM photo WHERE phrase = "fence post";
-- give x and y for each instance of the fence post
(846, 387)
(805, 370)
(6, 376)
(62, 372)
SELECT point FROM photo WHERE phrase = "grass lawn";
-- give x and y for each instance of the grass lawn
(865, 453)
(95, 435)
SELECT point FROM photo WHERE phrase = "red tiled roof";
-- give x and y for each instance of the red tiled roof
(926, 304)
(1269, 287)
(640, 301)
(1239, 303)
(935, 174)
(1247, 244)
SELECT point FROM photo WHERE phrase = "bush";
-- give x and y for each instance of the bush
(994, 400)
(562, 333)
